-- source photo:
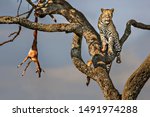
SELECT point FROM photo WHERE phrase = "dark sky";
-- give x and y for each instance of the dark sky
(62, 80)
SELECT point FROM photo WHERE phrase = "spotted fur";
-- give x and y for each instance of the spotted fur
(109, 34)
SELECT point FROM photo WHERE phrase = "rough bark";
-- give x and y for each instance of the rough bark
(137, 80)
(63, 27)
(127, 31)
(79, 25)
(98, 74)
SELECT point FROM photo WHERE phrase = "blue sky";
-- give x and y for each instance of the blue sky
(62, 80)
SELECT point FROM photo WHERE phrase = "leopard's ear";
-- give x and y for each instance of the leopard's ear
(112, 10)
(102, 10)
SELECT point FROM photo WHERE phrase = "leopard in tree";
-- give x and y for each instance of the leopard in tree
(109, 34)
(109, 37)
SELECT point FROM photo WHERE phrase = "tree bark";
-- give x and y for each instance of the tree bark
(136, 81)
(63, 27)
(79, 25)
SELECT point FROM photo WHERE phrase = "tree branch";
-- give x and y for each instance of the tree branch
(98, 74)
(11, 40)
(63, 27)
(79, 25)
(31, 3)
(127, 31)
(137, 80)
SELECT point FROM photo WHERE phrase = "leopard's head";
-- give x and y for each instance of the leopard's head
(106, 16)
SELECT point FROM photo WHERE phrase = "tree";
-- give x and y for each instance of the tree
(79, 25)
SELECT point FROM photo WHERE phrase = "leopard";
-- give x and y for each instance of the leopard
(108, 33)
(109, 38)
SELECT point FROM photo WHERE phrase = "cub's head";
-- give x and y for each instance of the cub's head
(106, 16)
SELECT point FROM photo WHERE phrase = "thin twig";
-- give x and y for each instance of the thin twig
(19, 30)
(29, 13)
(19, 7)
(14, 33)
(11, 40)
(23, 13)
(31, 3)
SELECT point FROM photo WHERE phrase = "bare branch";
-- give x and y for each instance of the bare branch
(19, 30)
(31, 3)
(30, 11)
(19, 7)
(64, 27)
(11, 40)
(128, 29)
(98, 74)
(137, 80)
(79, 25)
(27, 12)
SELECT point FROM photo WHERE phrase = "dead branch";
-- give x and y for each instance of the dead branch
(27, 12)
(63, 27)
(19, 6)
(19, 30)
(137, 80)
(79, 25)
(127, 31)
(31, 3)
(98, 74)
(11, 40)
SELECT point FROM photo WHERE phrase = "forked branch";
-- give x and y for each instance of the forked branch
(11, 40)
(19, 30)
(79, 25)
(141, 75)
